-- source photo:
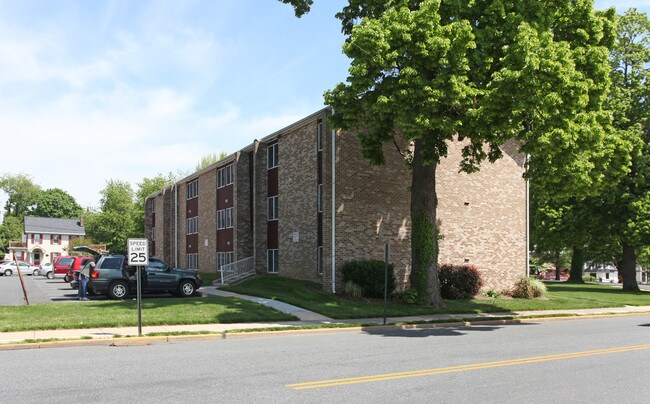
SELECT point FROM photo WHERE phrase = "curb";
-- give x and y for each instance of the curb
(244, 333)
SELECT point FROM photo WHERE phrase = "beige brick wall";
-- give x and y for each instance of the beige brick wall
(297, 184)
(208, 221)
(483, 217)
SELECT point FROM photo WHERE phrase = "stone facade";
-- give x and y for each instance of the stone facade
(481, 215)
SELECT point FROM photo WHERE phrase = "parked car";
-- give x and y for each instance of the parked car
(46, 269)
(114, 278)
(8, 268)
(66, 265)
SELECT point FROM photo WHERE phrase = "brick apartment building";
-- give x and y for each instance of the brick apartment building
(279, 199)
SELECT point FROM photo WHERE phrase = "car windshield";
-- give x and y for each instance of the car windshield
(110, 263)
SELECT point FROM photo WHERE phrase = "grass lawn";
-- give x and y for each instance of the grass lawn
(309, 295)
(120, 313)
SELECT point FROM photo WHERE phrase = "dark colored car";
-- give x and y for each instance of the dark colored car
(114, 278)
(68, 264)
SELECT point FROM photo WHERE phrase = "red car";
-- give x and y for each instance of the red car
(66, 265)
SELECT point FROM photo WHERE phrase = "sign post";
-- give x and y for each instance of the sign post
(138, 256)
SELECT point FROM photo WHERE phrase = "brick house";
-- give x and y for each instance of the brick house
(45, 239)
(278, 200)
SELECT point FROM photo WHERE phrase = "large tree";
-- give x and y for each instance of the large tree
(477, 72)
(145, 188)
(56, 202)
(115, 223)
(627, 202)
(21, 194)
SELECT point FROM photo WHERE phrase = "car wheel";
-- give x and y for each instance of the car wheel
(118, 290)
(50, 275)
(8, 272)
(35, 272)
(66, 278)
(186, 288)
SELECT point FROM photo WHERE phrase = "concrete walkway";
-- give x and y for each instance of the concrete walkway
(99, 336)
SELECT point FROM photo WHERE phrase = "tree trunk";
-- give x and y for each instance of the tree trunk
(424, 233)
(557, 266)
(577, 264)
(628, 268)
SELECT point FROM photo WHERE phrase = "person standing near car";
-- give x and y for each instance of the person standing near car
(84, 275)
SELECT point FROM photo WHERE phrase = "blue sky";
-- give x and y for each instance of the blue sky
(100, 90)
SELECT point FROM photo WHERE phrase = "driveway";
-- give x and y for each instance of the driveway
(39, 290)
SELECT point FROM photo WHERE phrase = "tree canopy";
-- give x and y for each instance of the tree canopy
(481, 73)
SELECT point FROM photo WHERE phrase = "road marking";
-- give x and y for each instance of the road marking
(461, 368)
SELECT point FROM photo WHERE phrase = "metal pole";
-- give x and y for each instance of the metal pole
(386, 250)
(22, 282)
(139, 298)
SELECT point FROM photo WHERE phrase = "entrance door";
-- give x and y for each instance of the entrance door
(37, 257)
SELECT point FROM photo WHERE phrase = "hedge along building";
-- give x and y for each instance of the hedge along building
(302, 201)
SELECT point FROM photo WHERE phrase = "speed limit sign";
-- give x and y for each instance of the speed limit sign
(138, 251)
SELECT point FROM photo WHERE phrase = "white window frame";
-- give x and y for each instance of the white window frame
(225, 176)
(272, 261)
(319, 136)
(192, 261)
(272, 156)
(229, 220)
(224, 258)
(192, 189)
(319, 260)
(272, 211)
(153, 233)
(192, 225)
(319, 195)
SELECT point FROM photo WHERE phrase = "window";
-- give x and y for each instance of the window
(319, 135)
(56, 239)
(228, 218)
(320, 197)
(224, 258)
(224, 218)
(319, 260)
(272, 261)
(272, 208)
(36, 238)
(224, 176)
(272, 156)
(193, 225)
(153, 233)
(193, 261)
(55, 255)
(153, 205)
(192, 189)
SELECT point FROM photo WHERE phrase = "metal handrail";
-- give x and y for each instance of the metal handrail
(236, 269)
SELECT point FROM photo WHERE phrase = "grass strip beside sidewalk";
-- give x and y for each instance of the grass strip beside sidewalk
(309, 295)
(123, 313)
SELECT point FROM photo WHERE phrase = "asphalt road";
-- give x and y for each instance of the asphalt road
(39, 290)
(570, 361)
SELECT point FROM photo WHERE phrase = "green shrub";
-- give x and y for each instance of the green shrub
(409, 296)
(539, 288)
(589, 278)
(493, 294)
(353, 290)
(369, 275)
(459, 281)
(528, 288)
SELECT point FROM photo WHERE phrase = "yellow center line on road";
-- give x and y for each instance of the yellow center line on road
(461, 368)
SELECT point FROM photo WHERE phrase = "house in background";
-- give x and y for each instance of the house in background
(45, 239)
(302, 201)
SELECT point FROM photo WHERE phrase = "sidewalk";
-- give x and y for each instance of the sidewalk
(107, 336)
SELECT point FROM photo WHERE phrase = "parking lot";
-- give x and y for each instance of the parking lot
(39, 290)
